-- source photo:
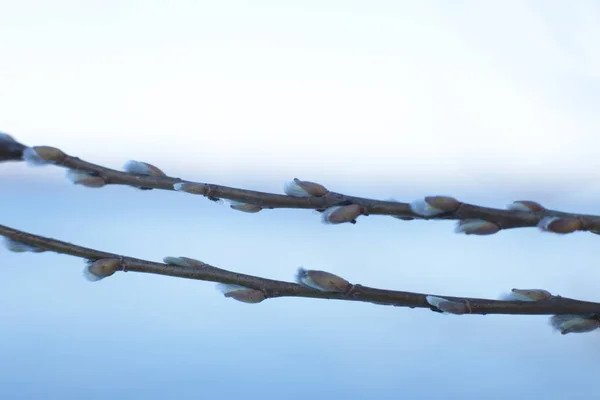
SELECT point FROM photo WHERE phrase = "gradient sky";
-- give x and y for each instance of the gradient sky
(488, 101)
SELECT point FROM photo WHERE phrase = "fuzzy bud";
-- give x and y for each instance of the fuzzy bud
(245, 207)
(525, 206)
(192, 262)
(176, 261)
(447, 306)
(21, 247)
(571, 323)
(322, 281)
(242, 293)
(197, 188)
(184, 262)
(84, 178)
(527, 295)
(142, 168)
(102, 268)
(434, 205)
(342, 214)
(476, 227)
(435, 300)
(560, 225)
(300, 188)
(43, 155)
(190, 187)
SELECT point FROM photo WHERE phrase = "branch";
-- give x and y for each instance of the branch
(313, 284)
(337, 207)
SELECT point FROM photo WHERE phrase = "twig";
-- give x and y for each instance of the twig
(472, 219)
(553, 305)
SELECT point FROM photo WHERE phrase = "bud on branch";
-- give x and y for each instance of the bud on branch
(476, 227)
(241, 293)
(184, 262)
(525, 206)
(142, 168)
(245, 207)
(434, 205)
(102, 268)
(300, 188)
(448, 306)
(43, 155)
(322, 281)
(342, 214)
(569, 323)
(560, 225)
(527, 295)
(20, 247)
(85, 178)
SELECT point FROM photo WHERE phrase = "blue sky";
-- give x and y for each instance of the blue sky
(487, 101)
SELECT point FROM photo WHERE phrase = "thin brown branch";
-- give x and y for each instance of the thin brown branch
(273, 288)
(557, 221)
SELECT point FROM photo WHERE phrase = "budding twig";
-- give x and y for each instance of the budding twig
(311, 195)
(328, 286)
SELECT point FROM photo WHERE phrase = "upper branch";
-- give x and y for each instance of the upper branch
(338, 207)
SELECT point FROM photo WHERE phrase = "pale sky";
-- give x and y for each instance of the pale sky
(489, 101)
(462, 90)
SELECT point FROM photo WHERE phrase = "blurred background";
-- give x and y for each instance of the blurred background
(489, 102)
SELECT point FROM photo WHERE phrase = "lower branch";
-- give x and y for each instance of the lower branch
(319, 285)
